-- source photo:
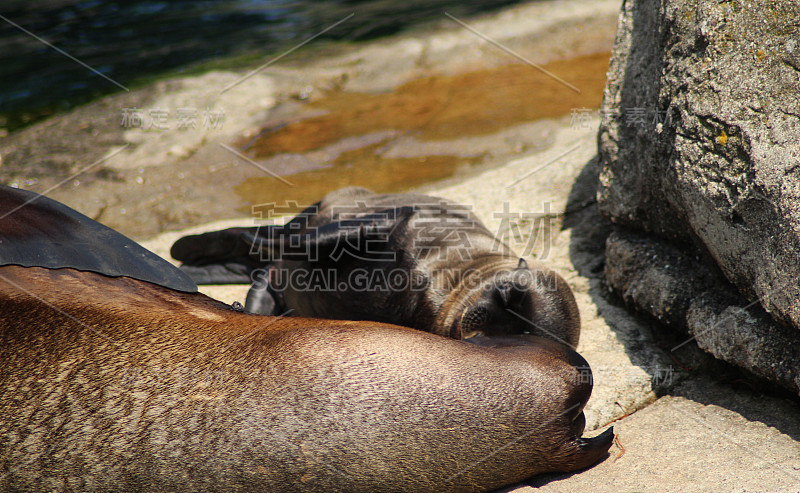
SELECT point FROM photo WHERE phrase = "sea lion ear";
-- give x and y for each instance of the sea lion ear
(522, 264)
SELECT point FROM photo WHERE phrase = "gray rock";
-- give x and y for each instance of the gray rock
(747, 338)
(699, 144)
(681, 292)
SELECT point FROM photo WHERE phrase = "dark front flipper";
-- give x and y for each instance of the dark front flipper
(220, 257)
(591, 450)
(36, 231)
(260, 300)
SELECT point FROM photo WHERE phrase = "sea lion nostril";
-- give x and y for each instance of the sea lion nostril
(475, 317)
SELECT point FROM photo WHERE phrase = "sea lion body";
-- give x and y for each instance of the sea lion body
(126, 384)
(407, 259)
(118, 385)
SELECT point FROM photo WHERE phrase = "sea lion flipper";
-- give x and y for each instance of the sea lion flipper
(213, 246)
(363, 234)
(36, 231)
(260, 301)
(219, 257)
(591, 450)
(224, 273)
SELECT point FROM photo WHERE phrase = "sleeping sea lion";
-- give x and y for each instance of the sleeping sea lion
(122, 384)
(406, 259)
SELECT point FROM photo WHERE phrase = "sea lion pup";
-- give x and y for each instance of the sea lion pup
(121, 384)
(406, 259)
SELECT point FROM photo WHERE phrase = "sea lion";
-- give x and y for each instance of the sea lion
(407, 259)
(121, 384)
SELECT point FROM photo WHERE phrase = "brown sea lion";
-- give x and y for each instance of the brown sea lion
(406, 259)
(121, 384)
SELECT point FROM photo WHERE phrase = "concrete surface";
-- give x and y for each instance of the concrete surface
(168, 175)
(702, 437)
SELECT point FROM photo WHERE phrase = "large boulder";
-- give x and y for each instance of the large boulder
(700, 147)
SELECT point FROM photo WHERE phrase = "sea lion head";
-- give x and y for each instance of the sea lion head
(516, 299)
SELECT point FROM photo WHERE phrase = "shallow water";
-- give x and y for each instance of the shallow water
(128, 41)
(428, 109)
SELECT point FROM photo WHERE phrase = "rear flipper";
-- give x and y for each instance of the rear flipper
(36, 231)
(227, 273)
(592, 450)
(212, 247)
